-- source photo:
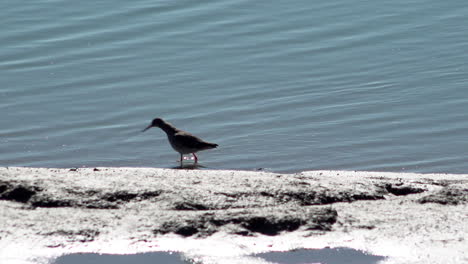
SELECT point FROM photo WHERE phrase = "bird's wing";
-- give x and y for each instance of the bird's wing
(189, 140)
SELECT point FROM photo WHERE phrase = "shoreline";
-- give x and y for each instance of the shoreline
(407, 217)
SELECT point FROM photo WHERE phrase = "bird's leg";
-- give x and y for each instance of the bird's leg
(195, 156)
(181, 158)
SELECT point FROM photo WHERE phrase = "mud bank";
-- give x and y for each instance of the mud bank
(410, 218)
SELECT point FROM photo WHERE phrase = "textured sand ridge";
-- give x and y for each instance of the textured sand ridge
(414, 218)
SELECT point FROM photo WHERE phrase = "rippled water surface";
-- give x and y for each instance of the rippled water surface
(285, 86)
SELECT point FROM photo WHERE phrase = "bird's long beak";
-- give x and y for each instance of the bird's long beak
(148, 127)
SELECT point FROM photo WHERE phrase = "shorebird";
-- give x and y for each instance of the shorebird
(181, 141)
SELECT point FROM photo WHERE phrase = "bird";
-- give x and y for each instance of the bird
(181, 141)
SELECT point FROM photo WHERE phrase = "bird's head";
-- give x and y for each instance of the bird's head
(157, 122)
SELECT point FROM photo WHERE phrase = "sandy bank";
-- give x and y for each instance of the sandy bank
(411, 218)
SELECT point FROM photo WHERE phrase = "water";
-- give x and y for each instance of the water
(146, 258)
(299, 256)
(322, 256)
(284, 86)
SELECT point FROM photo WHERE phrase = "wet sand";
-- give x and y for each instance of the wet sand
(408, 218)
